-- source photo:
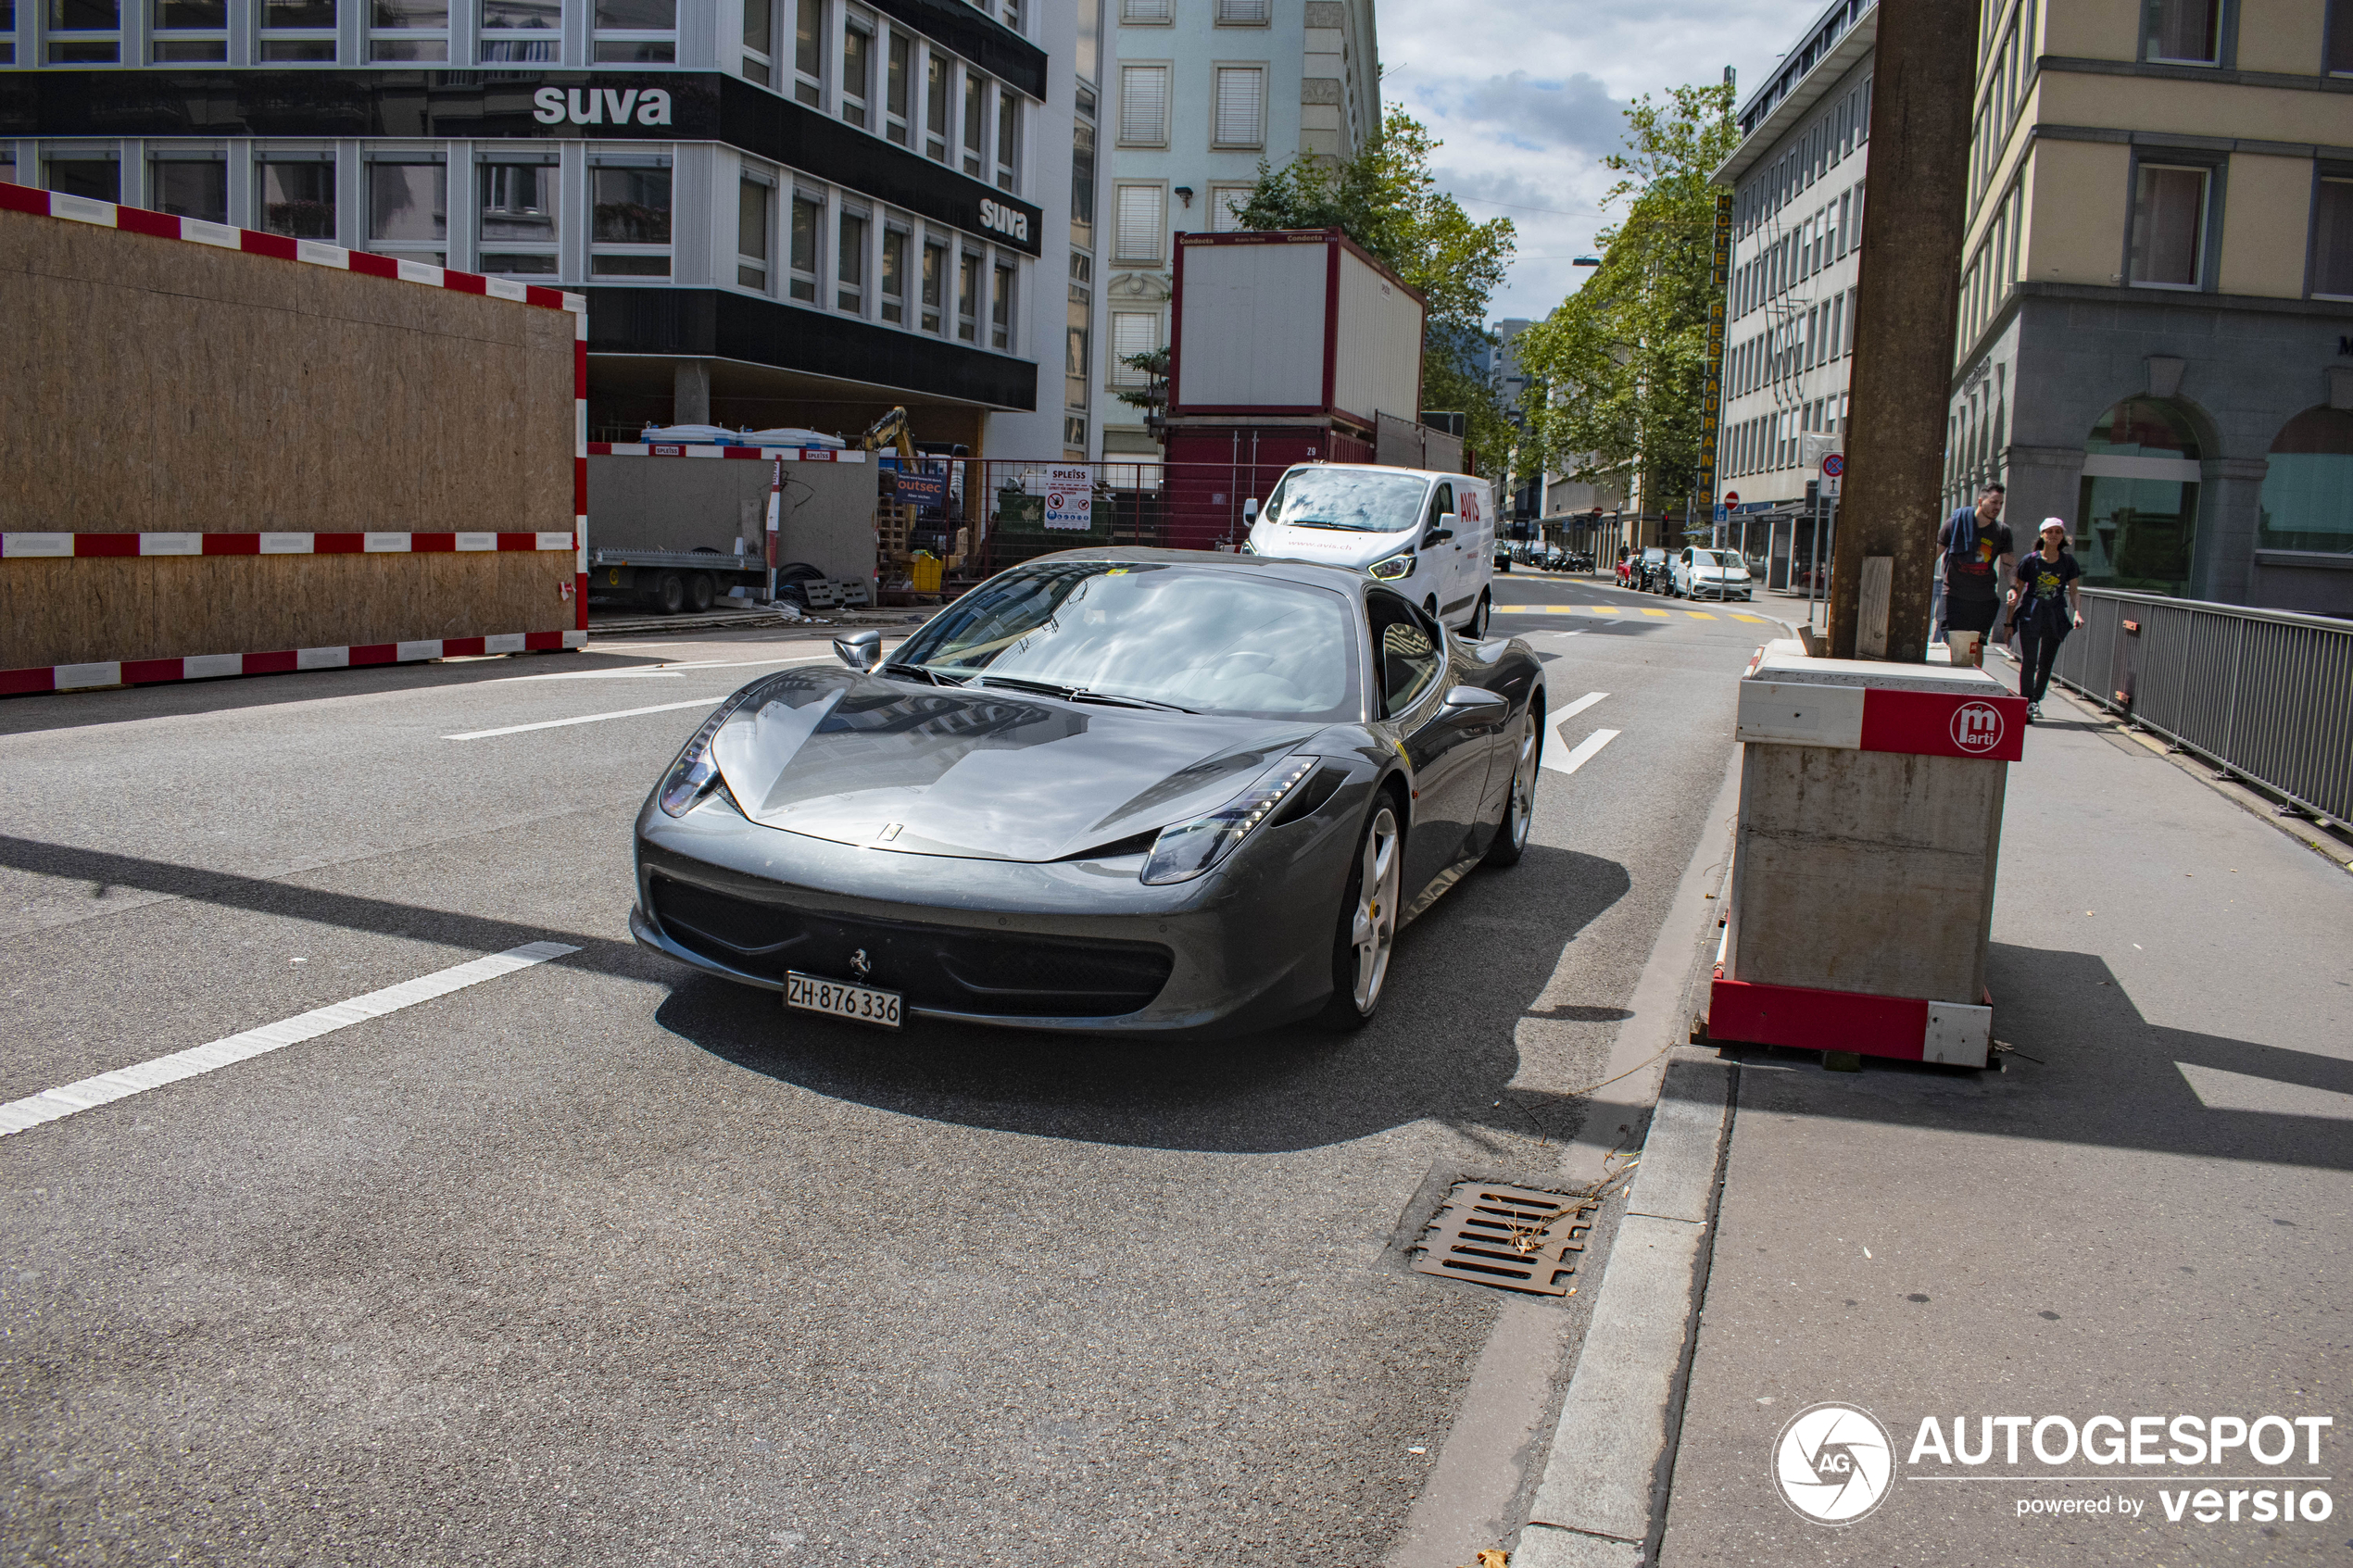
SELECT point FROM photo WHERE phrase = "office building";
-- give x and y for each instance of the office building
(783, 212)
(1202, 91)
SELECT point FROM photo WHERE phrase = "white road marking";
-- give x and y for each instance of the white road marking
(640, 672)
(1585, 752)
(1572, 709)
(587, 719)
(51, 1104)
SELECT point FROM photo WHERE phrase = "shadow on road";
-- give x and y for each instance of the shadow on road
(2105, 1077)
(1464, 977)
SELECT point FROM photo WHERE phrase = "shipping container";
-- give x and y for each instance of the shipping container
(1292, 323)
(237, 452)
(680, 524)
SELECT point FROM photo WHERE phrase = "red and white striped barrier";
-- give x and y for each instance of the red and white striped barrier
(39, 546)
(164, 226)
(214, 666)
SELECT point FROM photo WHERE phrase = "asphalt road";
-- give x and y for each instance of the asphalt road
(602, 1262)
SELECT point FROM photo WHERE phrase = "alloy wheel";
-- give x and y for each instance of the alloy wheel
(1524, 790)
(1372, 930)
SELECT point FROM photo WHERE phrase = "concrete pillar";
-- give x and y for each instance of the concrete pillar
(690, 392)
(2229, 516)
(1906, 302)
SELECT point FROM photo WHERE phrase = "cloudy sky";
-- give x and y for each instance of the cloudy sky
(1529, 99)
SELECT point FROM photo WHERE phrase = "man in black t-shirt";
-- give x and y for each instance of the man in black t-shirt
(1977, 559)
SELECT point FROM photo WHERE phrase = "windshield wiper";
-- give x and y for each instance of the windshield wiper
(1076, 693)
(934, 676)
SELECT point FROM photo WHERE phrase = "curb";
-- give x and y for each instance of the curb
(1604, 1483)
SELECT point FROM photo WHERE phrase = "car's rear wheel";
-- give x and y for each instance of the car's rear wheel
(1519, 803)
(1367, 929)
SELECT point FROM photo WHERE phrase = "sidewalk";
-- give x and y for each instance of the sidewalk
(2152, 1217)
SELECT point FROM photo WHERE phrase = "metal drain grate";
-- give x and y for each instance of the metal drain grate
(1516, 1239)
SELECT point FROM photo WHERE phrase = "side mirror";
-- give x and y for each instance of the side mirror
(1250, 509)
(1443, 532)
(1468, 699)
(860, 651)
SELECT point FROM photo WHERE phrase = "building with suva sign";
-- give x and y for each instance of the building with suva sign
(783, 212)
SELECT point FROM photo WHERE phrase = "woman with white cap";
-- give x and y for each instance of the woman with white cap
(2044, 606)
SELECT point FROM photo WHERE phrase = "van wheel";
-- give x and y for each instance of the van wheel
(1477, 627)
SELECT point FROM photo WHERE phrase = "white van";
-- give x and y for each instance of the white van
(1429, 535)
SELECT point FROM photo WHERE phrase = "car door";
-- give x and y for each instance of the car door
(1445, 555)
(1446, 748)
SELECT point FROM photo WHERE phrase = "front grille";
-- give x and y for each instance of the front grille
(1009, 975)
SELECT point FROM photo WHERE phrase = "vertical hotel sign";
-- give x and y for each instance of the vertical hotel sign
(1712, 410)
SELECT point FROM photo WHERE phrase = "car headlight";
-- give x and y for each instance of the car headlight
(691, 776)
(1184, 850)
(1394, 567)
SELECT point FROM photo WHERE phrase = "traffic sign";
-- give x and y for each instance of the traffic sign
(1731, 497)
(1833, 465)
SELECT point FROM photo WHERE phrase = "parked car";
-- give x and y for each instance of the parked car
(1107, 791)
(1503, 555)
(1650, 570)
(1710, 574)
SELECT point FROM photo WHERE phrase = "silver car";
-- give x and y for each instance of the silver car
(1110, 790)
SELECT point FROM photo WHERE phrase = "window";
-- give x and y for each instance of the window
(2136, 516)
(1008, 140)
(752, 197)
(297, 33)
(1076, 385)
(1406, 651)
(298, 198)
(1144, 105)
(935, 109)
(849, 270)
(1244, 13)
(896, 86)
(808, 51)
(2169, 226)
(409, 29)
(2181, 32)
(857, 71)
(1142, 226)
(2308, 489)
(1133, 333)
(976, 122)
(522, 32)
(1000, 308)
(91, 30)
(2340, 39)
(99, 179)
(894, 276)
(2332, 238)
(630, 235)
(190, 188)
(967, 295)
(1146, 11)
(190, 31)
(1241, 105)
(808, 217)
(636, 31)
(1226, 205)
(409, 210)
(1082, 184)
(518, 219)
(759, 40)
(934, 281)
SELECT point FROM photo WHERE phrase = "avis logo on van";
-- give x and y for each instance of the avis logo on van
(602, 105)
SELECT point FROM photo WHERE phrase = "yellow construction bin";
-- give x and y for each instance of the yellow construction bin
(923, 573)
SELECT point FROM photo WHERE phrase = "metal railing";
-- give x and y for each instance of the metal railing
(2265, 694)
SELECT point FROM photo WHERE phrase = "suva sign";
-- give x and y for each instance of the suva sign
(602, 105)
(999, 219)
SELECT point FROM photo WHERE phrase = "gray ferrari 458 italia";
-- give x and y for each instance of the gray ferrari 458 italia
(1106, 791)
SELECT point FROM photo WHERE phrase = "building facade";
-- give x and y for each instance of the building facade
(783, 212)
(1203, 92)
(2157, 323)
(1797, 181)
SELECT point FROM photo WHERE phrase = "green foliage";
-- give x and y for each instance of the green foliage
(1625, 358)
(1154, 364)
(1387, 200)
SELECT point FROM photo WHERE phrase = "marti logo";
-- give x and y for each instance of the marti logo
(1977, 727)
(602, 105)
(999, 219)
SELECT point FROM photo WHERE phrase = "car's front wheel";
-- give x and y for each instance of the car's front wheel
(1520, 804)
(1367, 928)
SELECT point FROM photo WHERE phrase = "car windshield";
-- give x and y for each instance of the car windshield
(1364, 500)
(1207, 639)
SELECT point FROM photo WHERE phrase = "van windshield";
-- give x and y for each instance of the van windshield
(1364, 500)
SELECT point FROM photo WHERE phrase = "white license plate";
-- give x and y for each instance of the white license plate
(861, 1004)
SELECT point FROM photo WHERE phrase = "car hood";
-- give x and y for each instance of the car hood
(985, 774)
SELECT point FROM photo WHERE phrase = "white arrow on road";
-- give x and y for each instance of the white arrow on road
(1586, 749)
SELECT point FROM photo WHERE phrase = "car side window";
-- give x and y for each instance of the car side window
(1406, 652)
(1441, 501)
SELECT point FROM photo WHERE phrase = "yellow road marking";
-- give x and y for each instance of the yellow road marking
(1660, 613)
(1699, 615)
(1753, 618)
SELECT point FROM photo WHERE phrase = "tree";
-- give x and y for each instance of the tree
(1387, 200)
(1625, 358)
